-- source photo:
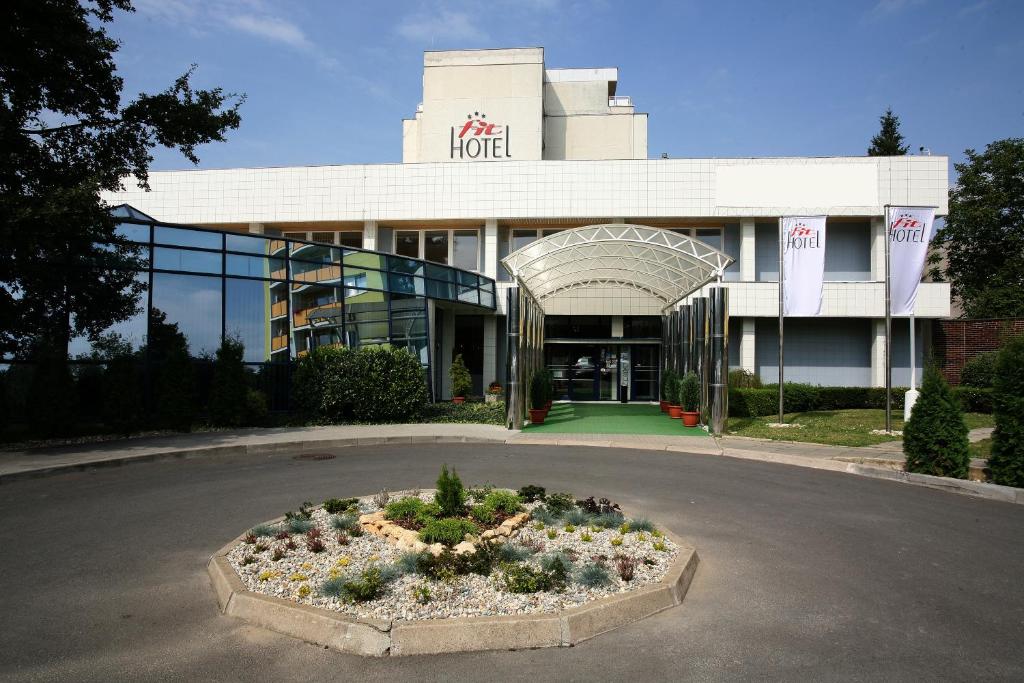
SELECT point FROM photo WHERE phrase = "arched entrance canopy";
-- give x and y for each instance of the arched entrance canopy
(662, 263)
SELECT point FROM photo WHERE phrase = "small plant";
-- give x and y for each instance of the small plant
(504, 501)
(247, 560)
(616, 541)
(478, 493)
(531, 493)
(308, 566)
(569, 528)
(314, 542)
(250, 538)
(283, 535)
(277, 554)
(421, 593)
(403, 509)
(560, 503)
(448, 531)
(626, 566)
(538, 526)
(381, 498)
(533, 545)
(553, 560)
(689, 393)
(343, 561)
(298, 576)
(268, 574)
(543, 515)
(482, 514)
(356, 532)
(462, 382)
(343, 539)
(641, 536)
(262, 531)
(522, 578)
(586, 537)
(260, 547)
(304, 590)
(593, 575)
(450, 496)
(366, 587)
(344, 522)
(608, 520)
(290, 544)
(624, 528)
(657, 534)
(513, 552)
(552, 534)
(597, 507)
(298, 525)
(408, 563)
(576, 516)
(641, 524)
(660, 546)
(649, 562)
(333, 506)
(305, 511)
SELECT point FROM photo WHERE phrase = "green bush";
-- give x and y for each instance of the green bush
(974, 399)
(522, 578)
(689, 393)
(538, 391)
(257, 410)
(1007, 460)
(980, 371)
(367, 586)
(462, 382)
(482, 514)
(765, 401)
(935, 437)
(333, 506)
(753, 402)
(474, 413)
(504, 501)
(744, 379)
(174, 387)
(531, 493)
(560, 503)
(448, 531)
(404, 509)
(675, 389)
(229, 392)
(50, 404)
(370, 384)
(450, 496)
(668, 378)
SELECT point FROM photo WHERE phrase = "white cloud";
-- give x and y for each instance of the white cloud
(887, 7)
(272, 28)
(443, 25)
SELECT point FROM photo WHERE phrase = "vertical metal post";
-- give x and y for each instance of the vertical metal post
(718, 353)
(685, 339)
(888, 331)
(782, 354)
(913, 357)
(700, 365)
(514, 391)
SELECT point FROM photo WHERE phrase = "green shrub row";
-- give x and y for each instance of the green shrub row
(805, 397)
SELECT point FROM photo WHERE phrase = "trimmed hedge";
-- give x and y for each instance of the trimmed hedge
(369, 384)
(802, 398)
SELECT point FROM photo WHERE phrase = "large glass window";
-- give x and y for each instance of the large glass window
(186, 260)
(466, 249)
(182, 237)
(246, 317)
(711, 237)
(435, 246)
(520, 238)
(353, 240)
(407, 243)
(193, 303)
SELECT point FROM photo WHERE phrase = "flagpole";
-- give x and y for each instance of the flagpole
(888, 330)
(781, 344)
(913, 359)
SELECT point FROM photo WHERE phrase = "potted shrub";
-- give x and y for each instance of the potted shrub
(674, 408)
(537, 398)
(494, 391)
(667, 378)
(690, 397)
(549, 388)
(461, 381)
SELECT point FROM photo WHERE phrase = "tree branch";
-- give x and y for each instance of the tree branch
(70, 126)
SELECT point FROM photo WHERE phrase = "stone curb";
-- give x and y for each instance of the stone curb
(244, 449)
(378, 638)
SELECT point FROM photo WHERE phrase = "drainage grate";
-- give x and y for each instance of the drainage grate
(313, 456)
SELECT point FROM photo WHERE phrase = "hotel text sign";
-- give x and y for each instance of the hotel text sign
(477, 138)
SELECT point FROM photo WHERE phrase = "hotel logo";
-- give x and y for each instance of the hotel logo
(906, 228)
(802, 237)
(477, 138)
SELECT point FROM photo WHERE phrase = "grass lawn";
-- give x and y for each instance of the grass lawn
(834, 427)
(611, 418)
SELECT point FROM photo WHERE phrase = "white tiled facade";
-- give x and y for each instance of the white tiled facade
(532, 190)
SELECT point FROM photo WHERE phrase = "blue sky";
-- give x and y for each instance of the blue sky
(329, 82)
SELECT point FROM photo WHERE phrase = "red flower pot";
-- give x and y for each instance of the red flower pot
(459, 400)
(547, 406)
(537, 416)
(663, 405)
(675, 412)
(690, 419)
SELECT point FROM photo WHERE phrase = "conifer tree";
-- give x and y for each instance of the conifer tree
(1007, 460)
(935, 437)
(889, 141)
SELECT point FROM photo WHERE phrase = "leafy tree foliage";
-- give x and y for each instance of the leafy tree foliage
(229, 393)
(174, 386)
(935, 437)
(983, 238)
(462, 381)
(65, 136)
(1007, 460)
(889, 141)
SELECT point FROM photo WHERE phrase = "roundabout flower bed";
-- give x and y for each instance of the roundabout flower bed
(483, 560)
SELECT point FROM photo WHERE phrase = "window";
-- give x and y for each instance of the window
(711, 237)
(353, 240)
(407, 243)
(323, 237)
(520, 238)
(435, 246)
(466, 249)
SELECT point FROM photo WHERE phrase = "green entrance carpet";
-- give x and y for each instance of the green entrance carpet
(611, 418)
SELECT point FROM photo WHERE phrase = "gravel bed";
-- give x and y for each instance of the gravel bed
(299, 575)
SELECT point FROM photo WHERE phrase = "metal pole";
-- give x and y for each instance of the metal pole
(782, 276)
(888, 331)
(913, 359)
(718, 366)
(513, 394)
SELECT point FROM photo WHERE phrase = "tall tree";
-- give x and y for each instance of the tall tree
(889, 141)
(983, 239)
(65, 136)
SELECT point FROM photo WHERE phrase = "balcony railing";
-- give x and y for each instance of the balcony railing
(620, 101)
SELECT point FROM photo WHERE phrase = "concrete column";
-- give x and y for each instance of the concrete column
(878, 352)
(256, 228)
(748, 271)
(877, 248)
(370, 235)
(490, 264)
(491, 373)
(748, 350)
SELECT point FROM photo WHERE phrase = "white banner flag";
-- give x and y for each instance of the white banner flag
(803, 257)
(910, 231)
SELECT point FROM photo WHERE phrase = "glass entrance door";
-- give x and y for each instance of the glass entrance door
(645, 372)
(590, 372)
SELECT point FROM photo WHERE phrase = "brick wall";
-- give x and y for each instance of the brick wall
(957, 341)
